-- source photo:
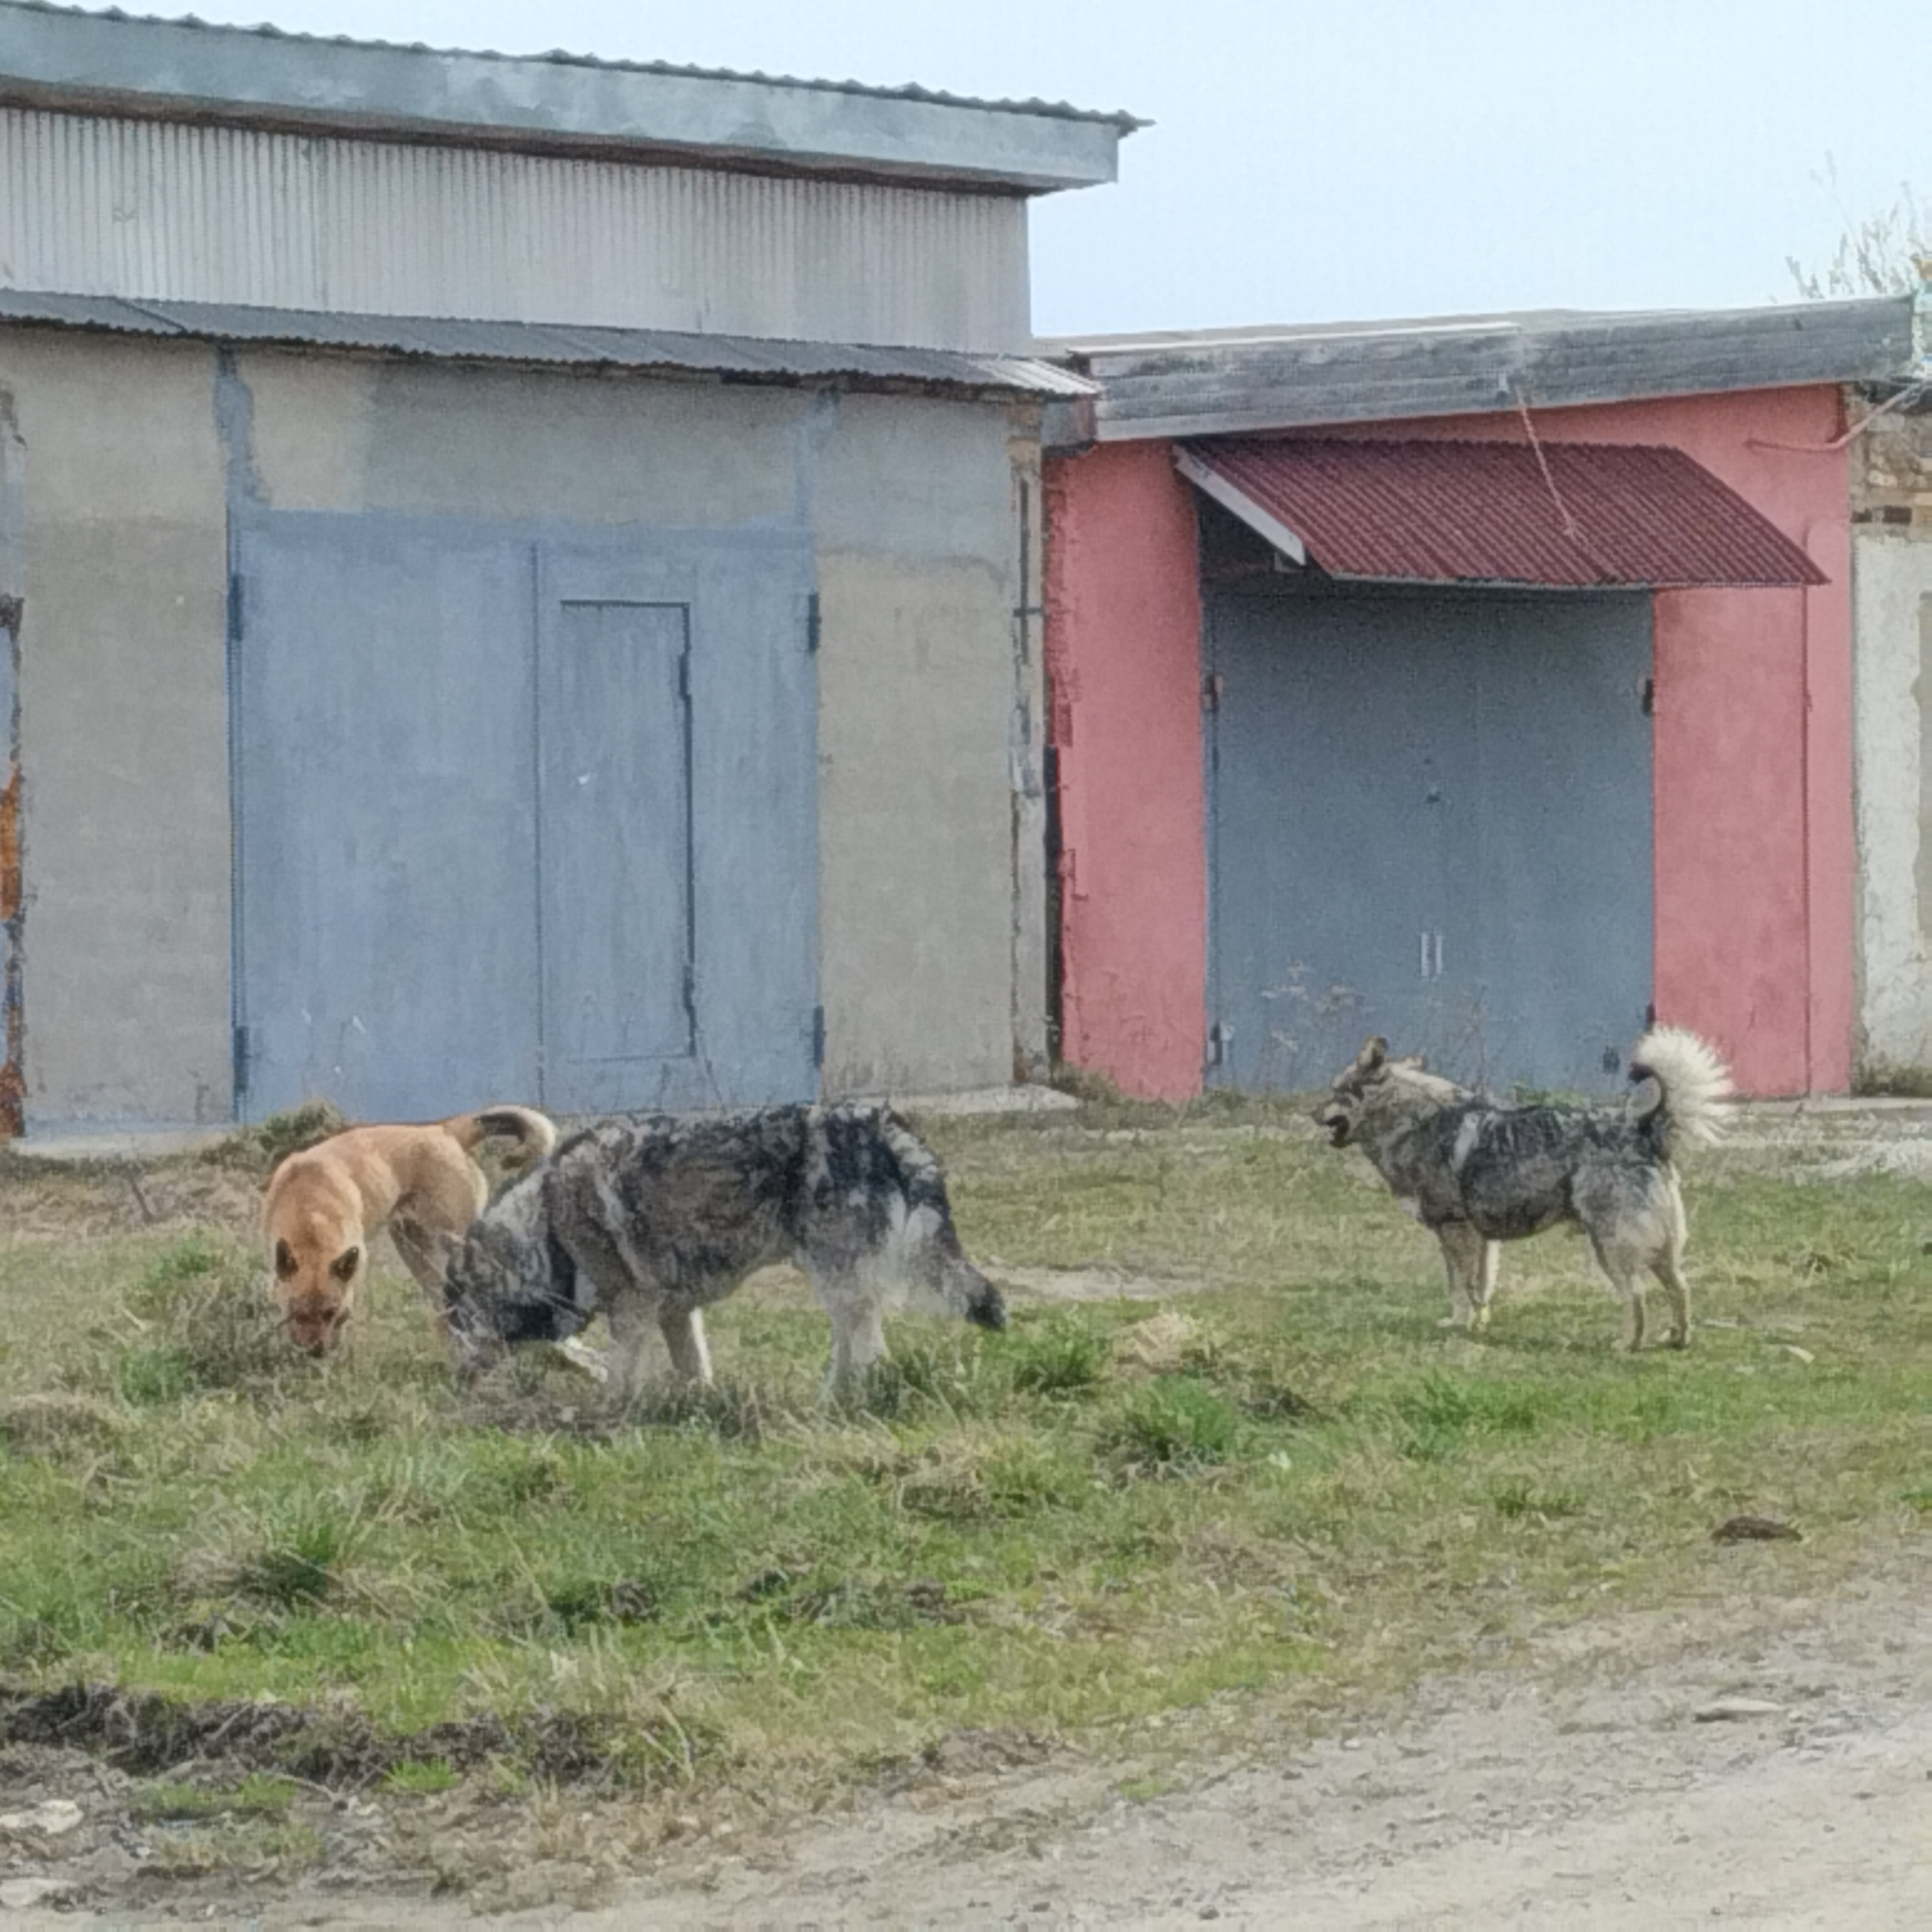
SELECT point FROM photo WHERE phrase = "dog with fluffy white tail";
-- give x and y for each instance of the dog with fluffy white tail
(1477, 1173)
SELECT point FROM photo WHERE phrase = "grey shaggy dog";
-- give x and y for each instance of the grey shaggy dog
(649, 1217)
(1476, 1174)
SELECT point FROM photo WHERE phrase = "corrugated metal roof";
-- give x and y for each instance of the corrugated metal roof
(744, 358)
(1232, 382)
(1060, 110)
(74, 57)
(1573, 514)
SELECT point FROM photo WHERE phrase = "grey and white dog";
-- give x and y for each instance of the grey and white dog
(1476, 1173)
(649, 1217)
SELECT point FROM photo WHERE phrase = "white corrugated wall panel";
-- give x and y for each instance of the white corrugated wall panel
(169, 211)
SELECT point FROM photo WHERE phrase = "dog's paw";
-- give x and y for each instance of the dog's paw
(593, 1362)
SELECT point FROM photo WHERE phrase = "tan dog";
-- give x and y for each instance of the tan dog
(326, 1204)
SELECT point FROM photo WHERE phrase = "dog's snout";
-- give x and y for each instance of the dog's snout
(314, 1326)
(989, 1310)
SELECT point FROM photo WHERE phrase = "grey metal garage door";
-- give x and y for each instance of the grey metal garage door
(522, 814)
(1429, 817)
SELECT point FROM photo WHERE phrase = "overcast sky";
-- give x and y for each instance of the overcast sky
(1330, 160)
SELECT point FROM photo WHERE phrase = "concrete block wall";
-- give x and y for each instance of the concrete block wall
(932, 925)
(1892, 592)
(120, 564)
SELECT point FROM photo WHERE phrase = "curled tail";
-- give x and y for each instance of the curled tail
(1691, 1080)
(519, 1123)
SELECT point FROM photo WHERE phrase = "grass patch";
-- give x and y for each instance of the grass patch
(212, 1550)
(1057, 1356)
(198, 1317)
(291, 1130)
(255, 1796)
(1174, 1424)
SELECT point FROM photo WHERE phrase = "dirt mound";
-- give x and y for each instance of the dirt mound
(337, 1746)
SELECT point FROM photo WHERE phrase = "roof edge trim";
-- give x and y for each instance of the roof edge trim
(115, 63)
(1210, 482)
(734, 358)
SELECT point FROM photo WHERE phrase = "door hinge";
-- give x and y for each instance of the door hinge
(684, 678)
(1212, 686)
(811, 624)
(691, 993)
(817, 1037)
(238, 1052)
(1218, 1037)
(234, 605)
(1647, 697)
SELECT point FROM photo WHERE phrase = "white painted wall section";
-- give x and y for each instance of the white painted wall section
(1891, 590)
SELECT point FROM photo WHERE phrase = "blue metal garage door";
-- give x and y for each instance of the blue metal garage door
(522, 814)
(1430, 817)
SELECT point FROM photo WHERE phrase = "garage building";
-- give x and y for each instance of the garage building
(1486, 683)
(515, 575)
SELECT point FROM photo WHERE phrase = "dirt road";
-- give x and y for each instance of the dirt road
(1598, 1787)
(1760, 1761)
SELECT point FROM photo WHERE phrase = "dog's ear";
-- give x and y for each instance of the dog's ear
(1374, 1055)
(285, 1261)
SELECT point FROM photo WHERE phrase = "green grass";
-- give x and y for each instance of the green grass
(1057, 1530)
(253, 1797)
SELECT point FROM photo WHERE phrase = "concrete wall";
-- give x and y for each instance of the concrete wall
(1892, 618)
(124, 728)
(1755, 857)
(912, 505)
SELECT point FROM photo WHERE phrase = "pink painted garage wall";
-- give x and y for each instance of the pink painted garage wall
(1755, 856)
(1124, 664)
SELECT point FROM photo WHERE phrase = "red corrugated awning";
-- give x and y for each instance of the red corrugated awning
(1577, 514)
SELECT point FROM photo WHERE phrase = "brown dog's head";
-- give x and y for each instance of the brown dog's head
(316, 1276)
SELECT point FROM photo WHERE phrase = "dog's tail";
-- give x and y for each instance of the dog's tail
(517, 1123)
(1690, 1081)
